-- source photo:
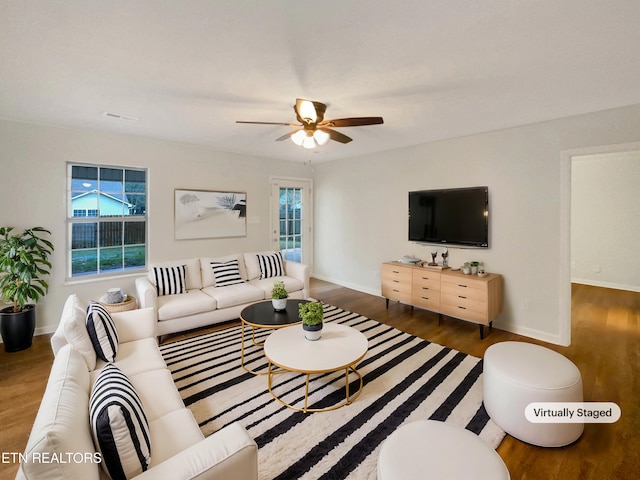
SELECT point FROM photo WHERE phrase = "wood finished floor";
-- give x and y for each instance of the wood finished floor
(605, 347)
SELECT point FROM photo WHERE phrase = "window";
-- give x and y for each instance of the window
(107, 219)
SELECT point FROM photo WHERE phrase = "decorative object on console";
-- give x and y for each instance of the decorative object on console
(410, 259)
(474, 267)
(210, 214)
(433, 262)
(445, 258)
(311, 314)
(279, 296)
(24, 262)
(466, 268)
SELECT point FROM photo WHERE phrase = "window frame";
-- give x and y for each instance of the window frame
(92, 216)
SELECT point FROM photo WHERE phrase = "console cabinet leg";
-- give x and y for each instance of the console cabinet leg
(481, 332)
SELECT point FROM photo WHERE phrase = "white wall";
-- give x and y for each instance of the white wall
(605, 221)
(33, 193)
(361, 210)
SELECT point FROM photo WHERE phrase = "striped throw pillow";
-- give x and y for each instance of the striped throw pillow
(118, 424)
(102, 332)
(226, 273)
(170, 280)
(271, 265)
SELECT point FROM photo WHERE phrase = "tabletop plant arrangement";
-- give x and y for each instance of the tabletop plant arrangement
(24, 262)
(311, 314)
(279, 296)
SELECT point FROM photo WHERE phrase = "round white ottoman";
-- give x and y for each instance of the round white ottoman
(430, 449)
(516, 374)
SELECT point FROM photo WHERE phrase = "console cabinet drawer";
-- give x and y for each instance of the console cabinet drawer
(396, 282)
(426, 289)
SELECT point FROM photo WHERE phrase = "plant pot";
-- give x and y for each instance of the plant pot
(17, 328)
(279, 304)
(312, 332)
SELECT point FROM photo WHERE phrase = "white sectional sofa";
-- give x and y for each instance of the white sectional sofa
(204, 302)
(61, 444)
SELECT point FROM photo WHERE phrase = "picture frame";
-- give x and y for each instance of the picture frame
(209, 214)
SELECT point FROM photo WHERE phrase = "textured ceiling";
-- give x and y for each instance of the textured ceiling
(432, 69)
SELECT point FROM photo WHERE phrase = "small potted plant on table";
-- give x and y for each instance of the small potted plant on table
(24, 262)
(279, 296)
(311, 314)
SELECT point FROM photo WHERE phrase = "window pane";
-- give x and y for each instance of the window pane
(84, 262)
(134, 233)
(136, 204)
(110, 234)
(135, 181)
(134, 256)
(110, 259)
(84, 235)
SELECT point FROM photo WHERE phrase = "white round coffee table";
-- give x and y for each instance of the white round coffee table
(340, 348)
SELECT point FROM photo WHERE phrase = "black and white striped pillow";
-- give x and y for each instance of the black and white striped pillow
(118, 424)
(226, 273)
(102, 332)
(271, 265)
(170, 280)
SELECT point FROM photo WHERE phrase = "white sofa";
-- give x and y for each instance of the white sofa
(204, 303)
(61, 445)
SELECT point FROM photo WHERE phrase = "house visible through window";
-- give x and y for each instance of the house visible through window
(107, 219)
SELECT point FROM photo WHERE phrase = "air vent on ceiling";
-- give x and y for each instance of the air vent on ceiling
(119, 116)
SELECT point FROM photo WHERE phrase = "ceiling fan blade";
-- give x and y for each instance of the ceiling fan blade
(271, 123)
(353, 122)
(337, 136)
(286, 136)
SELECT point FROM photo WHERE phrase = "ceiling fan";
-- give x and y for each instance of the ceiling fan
(315, 130)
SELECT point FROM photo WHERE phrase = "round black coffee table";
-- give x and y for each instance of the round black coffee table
(262, 315)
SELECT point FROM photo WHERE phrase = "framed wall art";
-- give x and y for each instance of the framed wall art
(209, 214)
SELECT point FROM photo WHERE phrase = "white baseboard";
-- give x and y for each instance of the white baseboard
(615, 286)
(352, 286)
(530, 333)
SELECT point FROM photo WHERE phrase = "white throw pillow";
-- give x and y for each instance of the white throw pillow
(226, 273)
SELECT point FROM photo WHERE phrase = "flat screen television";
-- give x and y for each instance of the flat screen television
(455, 216)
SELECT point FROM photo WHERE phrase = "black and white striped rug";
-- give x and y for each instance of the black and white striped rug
(405, 379)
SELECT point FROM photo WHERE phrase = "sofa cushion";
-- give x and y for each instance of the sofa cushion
(148, 384)
(290, 284)
(226, 273)
(168, 439)
(208, 278)
(235, 294)
(252, 265)
(135, 357)
(119, 425)
(271, 265)
(190, 303)
(74, 331)
(62, 423)
(192, 271)
(102, 332)
(170, 280)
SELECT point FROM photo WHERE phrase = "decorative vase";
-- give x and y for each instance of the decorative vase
(279, 304)
(312, 332)
(17, 328)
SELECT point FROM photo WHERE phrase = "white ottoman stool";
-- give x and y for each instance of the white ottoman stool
(430, 449)
(516, 374)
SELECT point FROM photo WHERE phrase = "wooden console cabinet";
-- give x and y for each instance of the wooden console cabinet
(446, 292)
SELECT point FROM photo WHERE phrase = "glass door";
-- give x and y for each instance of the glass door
(291, 218)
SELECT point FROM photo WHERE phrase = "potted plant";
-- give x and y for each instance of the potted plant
(279, 296)
(474, 267)
(311, 314)
(24, 262)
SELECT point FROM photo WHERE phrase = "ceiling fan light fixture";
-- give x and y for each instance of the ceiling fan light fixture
(307, 111)
(309, 142)
(321, 137)
(299, 137)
